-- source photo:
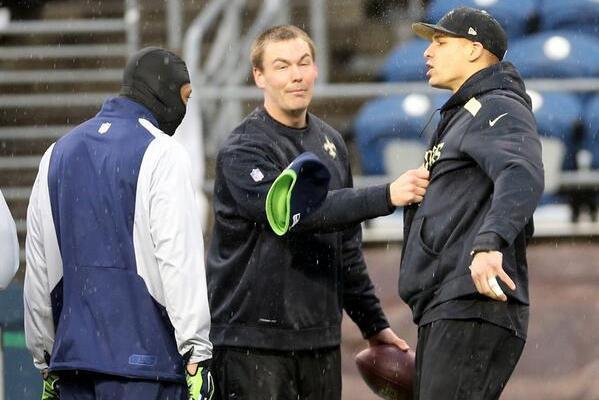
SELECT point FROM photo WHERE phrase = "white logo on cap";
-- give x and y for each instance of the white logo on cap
(472, 31)
(257, 175)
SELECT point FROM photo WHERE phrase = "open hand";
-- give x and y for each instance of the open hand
(486, 267)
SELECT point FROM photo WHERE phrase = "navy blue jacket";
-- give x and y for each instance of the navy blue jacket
(288, 293)
(114, 249)
(486, 178)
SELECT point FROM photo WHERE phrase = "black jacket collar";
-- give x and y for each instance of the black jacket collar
(502, 76)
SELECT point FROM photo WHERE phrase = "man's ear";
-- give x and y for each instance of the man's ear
(475, 51)
(258, 77)
(185, 93)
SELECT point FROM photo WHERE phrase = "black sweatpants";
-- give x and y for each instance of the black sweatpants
(464, 360)
(252, 374)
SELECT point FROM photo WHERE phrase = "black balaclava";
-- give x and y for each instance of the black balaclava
(153, 77)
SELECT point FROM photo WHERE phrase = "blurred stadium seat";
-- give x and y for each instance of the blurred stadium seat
(406, 62)
(591, 130)
(558, 116)
(576, 15)
(389, 119)
(556, 54)
(21, 379)
(514, 15)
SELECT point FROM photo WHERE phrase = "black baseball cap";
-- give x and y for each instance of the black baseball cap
(469, 23)
(297, 192)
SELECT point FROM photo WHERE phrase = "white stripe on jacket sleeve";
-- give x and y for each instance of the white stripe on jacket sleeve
(44, 267)
(168, 243)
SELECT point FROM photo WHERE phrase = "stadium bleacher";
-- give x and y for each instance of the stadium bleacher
(591, 130)
(394, 118)
(547, 41)
(559, 116)
(576, 15)
(556, 54)
(405, 62)
(516, 16)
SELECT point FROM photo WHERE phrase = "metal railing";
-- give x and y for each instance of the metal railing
(132, 16)
(224, 63)
(174, 24)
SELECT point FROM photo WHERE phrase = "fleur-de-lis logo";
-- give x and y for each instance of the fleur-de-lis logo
(329, 147)
(432, 155)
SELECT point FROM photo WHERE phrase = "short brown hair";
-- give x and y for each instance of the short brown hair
(277, 33)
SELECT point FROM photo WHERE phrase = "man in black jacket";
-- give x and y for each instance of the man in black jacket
(464, 270)
(277, 301)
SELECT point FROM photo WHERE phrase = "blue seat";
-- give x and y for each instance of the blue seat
(591, 130)
(21, 378)
(556, 54)
(406, 62)
(577, 15)
(394, 117)
(513, 15)
(558, 116)
(11, 304)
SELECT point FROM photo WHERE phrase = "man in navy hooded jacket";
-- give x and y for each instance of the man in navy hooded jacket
(464, 269)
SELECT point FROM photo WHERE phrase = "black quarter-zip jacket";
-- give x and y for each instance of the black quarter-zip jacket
(486, 178)
(288, 293)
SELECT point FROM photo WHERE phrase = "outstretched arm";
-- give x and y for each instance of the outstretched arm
(248, 175)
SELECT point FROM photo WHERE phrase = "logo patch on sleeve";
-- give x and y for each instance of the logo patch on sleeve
(104, 128)
(329, 147)
(257, 175)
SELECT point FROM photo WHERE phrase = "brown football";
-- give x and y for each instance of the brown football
(388, 371)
